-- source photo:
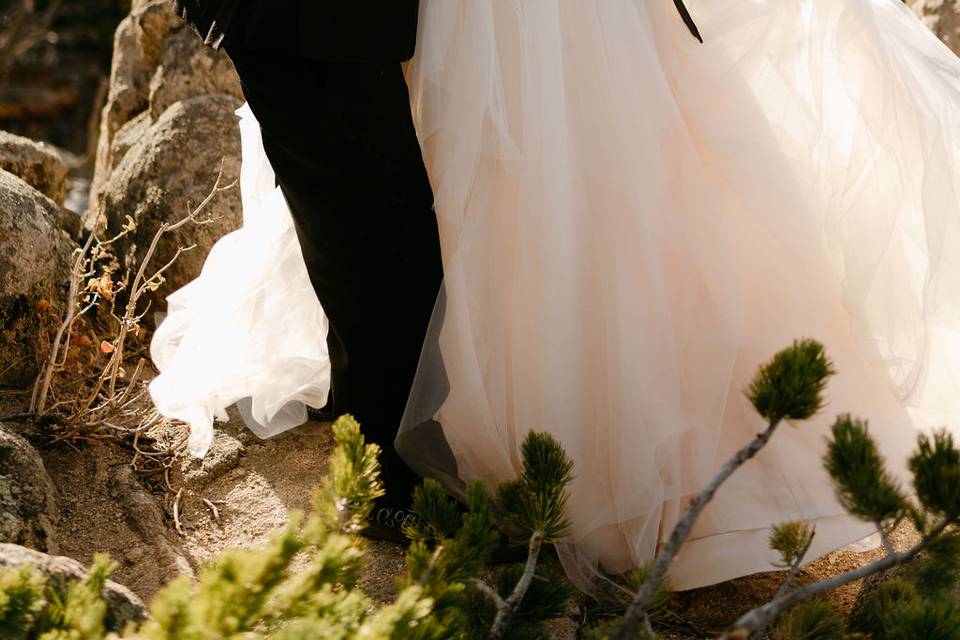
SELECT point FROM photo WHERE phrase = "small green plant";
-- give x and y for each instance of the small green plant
(450, 550)
(814, 620)
(921, 596)
(21, 602)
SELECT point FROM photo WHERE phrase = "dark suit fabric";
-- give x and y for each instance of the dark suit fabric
(340, 137)
(335, 30)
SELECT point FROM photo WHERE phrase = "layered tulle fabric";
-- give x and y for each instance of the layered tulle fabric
(633, 222)
(249, 330)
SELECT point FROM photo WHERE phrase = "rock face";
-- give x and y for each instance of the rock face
(170, 169)
(35, 261)
(167, 127)
(123, 605)
(37, 164)
(28, 502)
(943, 18)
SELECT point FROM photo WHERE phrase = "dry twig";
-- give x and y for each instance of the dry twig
(213, 509)
(176, 512)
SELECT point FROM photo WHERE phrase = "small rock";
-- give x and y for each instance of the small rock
(223, 457)
(144, 517)
(123, 606)
(28, 500)
(36, 163)
(134, 555)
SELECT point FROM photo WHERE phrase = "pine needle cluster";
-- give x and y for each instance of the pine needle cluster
(452, 549)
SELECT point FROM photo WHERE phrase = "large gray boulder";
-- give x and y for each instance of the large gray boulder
(167, 126)
(186, 70)
(38, 164)
(28, 501)
(35, 262)
(167, 172)
(123, 606)
(137, 48)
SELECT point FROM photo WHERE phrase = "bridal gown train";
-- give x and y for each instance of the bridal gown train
(632, 222)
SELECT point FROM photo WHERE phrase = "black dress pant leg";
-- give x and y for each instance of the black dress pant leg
(341, 140)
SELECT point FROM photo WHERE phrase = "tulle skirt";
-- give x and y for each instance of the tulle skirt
(249, 331)
(633, 222)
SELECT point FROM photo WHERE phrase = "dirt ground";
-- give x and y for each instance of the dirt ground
(254, 484)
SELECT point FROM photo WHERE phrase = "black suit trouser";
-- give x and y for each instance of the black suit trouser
(341, 140)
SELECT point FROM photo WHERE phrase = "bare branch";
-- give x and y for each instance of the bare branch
(213, 509)
(27, 29)
(432, 566)
(885, 538)
(42, 388)
(505, 614)
(176, 512)
(488, 591)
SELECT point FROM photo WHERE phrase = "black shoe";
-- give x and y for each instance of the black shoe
(386, 523)
(326, 414)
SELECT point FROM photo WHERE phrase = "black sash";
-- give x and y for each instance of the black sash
(687, 20)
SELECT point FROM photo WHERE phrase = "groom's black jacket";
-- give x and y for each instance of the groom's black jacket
(342, 30)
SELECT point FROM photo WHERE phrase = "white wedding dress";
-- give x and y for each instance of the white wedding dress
(632, 222)
(249, 331)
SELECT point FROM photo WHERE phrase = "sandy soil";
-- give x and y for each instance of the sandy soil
(254, 484)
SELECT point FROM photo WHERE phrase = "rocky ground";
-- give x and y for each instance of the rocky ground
(252, 485)
(166, 129)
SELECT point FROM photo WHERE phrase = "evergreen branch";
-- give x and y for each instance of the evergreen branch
(791, 576)
(636, 614)
(505, 613)
(762, 616)
(885, 539)
(790, 386)
(795, 569)
(431, 567)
